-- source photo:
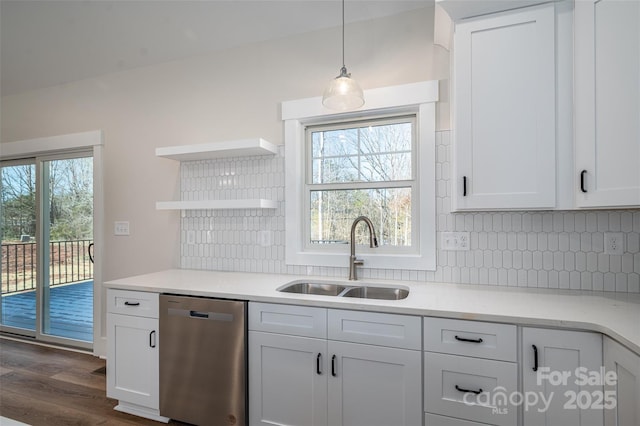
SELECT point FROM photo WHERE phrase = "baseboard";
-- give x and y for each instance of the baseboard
(140, 411)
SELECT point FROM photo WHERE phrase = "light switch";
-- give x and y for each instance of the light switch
(121, 228)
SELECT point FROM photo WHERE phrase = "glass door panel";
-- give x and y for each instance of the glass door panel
(67, 229)
(18, 268)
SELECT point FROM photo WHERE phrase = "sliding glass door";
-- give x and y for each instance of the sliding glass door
(18, 269)
(47, 275)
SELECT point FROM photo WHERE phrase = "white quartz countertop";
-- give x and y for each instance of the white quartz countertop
(614, 314)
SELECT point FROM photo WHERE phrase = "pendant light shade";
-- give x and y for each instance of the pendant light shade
(343, 93)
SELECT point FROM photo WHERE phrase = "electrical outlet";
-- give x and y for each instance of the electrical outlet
(614, 243)
(121, 228)
(455, 241)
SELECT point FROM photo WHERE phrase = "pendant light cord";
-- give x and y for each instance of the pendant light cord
(343, 63)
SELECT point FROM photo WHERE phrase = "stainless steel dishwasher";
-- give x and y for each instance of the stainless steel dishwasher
(203, 360)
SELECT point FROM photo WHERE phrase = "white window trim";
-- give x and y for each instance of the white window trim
(415, 98)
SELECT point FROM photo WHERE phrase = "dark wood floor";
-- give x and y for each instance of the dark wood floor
(50, 387)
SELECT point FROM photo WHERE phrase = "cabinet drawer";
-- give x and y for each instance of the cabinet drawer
(450, 383)
(398, 331)
(471, 338)
(435, 420)
(288, 319)
(136, 303)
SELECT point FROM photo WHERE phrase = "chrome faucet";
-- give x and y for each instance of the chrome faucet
(373, 242)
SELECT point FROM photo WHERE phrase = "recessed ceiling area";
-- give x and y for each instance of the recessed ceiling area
(51, 42)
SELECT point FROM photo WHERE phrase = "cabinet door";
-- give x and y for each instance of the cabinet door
(504, 111)
(558, 354)
(287, 380)
(607, 102)
(132, 360)
(374, 385)
(626, 365)
(470, 388)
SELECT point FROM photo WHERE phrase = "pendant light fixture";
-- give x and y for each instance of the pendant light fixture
(343, 93)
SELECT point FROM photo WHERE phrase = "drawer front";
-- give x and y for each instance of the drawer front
(471, 338)
(436, 420)
(135, 303)
(397, 331)
(470, 388)
(288, 319)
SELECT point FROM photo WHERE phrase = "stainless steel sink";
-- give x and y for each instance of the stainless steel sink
(382, 293)
(322, 289)
(345, 290)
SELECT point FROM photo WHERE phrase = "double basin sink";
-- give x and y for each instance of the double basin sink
(346, 290)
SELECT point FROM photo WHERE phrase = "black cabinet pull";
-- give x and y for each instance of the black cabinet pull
(132, 303)
(196, 314)
(464, 186)
(477, 392)
(152, 339)
(318, 359)
(535, 357)
(582, 183)
(462, 339)
(333, 366)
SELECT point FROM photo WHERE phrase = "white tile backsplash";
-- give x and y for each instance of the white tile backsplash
(547, 249)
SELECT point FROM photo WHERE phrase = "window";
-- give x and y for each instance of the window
(378, 162)
(361, 168)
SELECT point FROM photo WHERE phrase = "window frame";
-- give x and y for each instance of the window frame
(410, 99)
(412, 183)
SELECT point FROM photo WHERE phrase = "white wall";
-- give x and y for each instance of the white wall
(226, 95)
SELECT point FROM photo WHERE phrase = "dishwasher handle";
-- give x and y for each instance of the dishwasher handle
(202, 315)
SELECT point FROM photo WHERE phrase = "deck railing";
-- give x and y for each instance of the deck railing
(69, 262)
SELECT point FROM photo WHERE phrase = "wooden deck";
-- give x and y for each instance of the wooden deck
(71, 311)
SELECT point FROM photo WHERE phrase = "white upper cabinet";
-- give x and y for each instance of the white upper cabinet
(504, 111)
(462, 9)
(607, 103)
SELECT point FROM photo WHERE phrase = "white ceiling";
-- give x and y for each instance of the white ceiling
(49, 42)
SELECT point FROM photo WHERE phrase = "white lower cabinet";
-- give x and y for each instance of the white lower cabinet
(373, 385)
(470, 370)
(625, 387)
(284, 386)
(300, 380)
(132, 352)
(555, 364)
(436, 420)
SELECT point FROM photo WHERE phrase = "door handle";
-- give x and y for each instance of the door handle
(477, 392)
(318, 360)
(464, 186)
(535, 357)
(462, 339)
(582, 181)
(152, 339)
(127, 303)
(333, 366)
